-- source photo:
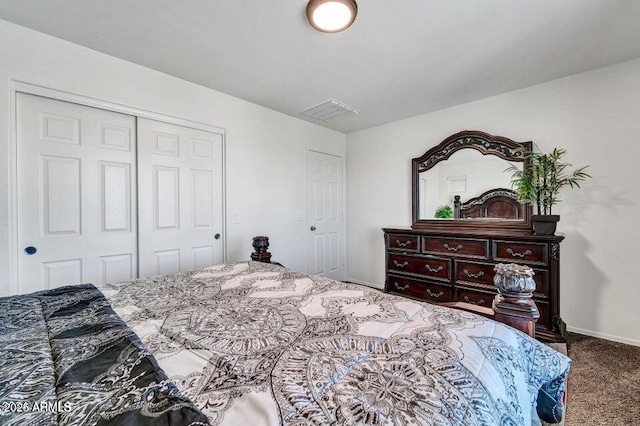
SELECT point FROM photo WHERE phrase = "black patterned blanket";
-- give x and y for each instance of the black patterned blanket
(67, 359)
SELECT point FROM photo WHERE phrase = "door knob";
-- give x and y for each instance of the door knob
(217, 236)
(30, 250)
(313, 228)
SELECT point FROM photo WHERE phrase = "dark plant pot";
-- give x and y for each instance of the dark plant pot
(545, 224)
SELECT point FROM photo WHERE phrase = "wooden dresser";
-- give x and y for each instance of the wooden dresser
(448, 266)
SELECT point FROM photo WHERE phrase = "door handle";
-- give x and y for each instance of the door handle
(30, 250)
(313, 228)
(217, 236)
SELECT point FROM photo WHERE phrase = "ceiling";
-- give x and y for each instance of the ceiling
(400, 58)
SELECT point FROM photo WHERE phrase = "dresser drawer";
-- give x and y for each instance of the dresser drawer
(479, 273)
(431, 267)
(420, 289)
(482, 274)
(479, 298)
(513, 252)
(541, 277)
(456, 247)
(408, 243)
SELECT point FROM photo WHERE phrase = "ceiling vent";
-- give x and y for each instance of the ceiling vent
(329, 110)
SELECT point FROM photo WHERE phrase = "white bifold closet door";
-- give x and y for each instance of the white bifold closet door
(76, 200)
(107, 197)
(180, 198)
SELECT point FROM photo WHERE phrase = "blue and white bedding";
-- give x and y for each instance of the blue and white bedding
(256, 344)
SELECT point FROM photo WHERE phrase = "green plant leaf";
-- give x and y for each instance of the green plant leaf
(543, 179)
(444, 212)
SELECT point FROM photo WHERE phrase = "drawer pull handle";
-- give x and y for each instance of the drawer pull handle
(516, 254)
(405, 244)
(400, 265)
(432, 294)
(448, 247)
(401, 287)
(430, 269)
(470, 275)
(479, 302)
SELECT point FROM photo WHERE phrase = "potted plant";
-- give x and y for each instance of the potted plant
(444, 212)
(540, 184)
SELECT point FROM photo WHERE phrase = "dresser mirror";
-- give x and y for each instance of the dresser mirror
(467, 173)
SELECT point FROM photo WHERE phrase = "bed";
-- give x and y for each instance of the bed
(253, 343)
(497, 203)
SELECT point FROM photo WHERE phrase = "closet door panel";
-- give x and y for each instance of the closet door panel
(180, 188)
(76, 199)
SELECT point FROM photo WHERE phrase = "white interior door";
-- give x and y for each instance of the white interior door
(325, 224)
(76, 198)
(180, 197)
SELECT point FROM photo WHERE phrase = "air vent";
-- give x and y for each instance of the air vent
(329, 110)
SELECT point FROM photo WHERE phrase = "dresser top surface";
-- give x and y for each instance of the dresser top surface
(494, 234)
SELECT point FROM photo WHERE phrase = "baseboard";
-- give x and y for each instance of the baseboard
(605, 336)
(368, 284)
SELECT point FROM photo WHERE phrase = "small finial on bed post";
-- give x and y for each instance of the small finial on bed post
(513, 305)
(260, 245)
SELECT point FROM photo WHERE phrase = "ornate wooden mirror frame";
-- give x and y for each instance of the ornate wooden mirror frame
(486, 144)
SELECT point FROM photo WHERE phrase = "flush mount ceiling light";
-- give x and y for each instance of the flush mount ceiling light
(331, 16)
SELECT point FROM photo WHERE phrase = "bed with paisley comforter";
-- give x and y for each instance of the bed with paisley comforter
(256, 344)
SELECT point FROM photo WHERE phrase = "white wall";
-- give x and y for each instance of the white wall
(265, 149)
(596, 116)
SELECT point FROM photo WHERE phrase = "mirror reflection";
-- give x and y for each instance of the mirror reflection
(467, 174)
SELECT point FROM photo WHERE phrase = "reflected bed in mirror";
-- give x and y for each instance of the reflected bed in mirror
(467, 174)
(470, 167)
(499, 203)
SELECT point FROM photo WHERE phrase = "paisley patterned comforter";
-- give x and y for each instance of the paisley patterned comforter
(256, 344)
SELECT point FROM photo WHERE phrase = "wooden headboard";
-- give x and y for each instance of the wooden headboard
(498, 203)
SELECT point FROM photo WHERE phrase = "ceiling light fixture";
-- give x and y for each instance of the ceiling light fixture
(331, 16)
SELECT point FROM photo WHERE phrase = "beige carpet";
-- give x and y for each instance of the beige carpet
(604, 382)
